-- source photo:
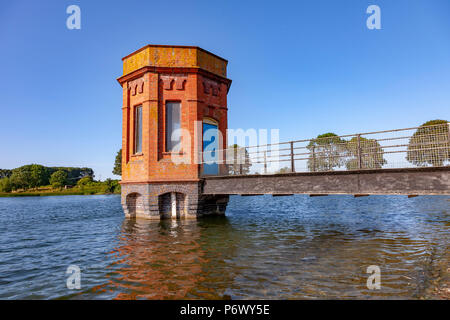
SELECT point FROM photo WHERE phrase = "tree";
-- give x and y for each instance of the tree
(73, 174)
(58, 179)
(21, 178)
(5, 173)
(371, 154)
(430, 144)
(29, 176)
(35, 175)
(327, 151)
(118, 164)
(38, 175)
(110, 185)
(84, 181)
(284, 170)
(117, 187)
(5, 185)
(238, 160)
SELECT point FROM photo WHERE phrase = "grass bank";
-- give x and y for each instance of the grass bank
(49, 191)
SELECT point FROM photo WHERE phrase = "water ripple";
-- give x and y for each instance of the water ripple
(273, 248)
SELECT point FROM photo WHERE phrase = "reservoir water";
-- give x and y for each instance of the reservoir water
(266, 247)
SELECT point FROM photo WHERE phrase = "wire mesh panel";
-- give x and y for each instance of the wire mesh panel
(399, 148)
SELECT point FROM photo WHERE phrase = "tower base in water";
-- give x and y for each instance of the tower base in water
(167, 200)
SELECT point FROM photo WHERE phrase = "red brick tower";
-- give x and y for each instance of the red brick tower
(172, 95)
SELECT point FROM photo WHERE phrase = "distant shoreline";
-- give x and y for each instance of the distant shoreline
(48, 194)
(85, 186)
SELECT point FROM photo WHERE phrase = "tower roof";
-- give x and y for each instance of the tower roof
(174, 57)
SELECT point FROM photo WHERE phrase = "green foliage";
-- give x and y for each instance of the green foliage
(35, 175)
(38, 175)
(326, 152)
(58, 179)
(5, 173)
(73, 174)
(118, 164)
(84, 181)
(241, 160)
(430, 144)
(5, 185)
(29, 176)
(112, 186)
(108, 186)
(371, 154)
(284, 170)
(86, 186)
(98, 187)
(20, 178)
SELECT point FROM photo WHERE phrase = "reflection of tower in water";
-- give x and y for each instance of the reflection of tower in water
(157, 260)
(171, 259)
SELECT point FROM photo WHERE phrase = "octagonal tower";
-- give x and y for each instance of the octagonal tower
(172, 96)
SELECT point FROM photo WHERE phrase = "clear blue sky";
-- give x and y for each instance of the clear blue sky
(305, 67)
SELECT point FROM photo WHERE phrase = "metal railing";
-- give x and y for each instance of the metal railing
(399, 148)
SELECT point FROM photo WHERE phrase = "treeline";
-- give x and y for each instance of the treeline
(34, 175)
(87, 185)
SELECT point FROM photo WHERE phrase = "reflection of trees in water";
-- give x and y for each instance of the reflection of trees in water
(168, 260)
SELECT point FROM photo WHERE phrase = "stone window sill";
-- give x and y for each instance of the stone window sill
(175, 153)
(137, 155)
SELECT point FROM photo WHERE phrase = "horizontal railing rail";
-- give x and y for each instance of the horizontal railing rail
(397, 148)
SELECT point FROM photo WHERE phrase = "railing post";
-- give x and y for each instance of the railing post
(292, 157)
(448, 133)
(313, 158)
(358, 139)
(265, 162)
(448, 138)
(239, 160)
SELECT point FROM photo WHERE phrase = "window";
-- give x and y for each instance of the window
(138, 129)
(173, 123)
